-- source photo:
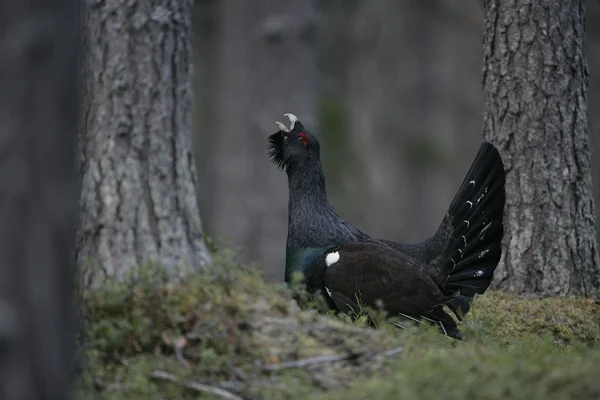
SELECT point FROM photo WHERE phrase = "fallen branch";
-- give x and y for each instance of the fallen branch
(326, 359)
(198, 387)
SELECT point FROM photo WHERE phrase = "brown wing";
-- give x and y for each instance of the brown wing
(367, 272)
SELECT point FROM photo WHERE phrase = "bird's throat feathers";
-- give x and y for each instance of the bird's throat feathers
(309, 211)
(306, 181)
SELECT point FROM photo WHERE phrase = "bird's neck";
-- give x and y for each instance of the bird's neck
(308, 205)
(307, 189)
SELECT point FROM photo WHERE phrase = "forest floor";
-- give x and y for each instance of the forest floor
(230, 334)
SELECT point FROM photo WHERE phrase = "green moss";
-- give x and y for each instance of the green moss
(228, 324)
(524, 370)
(566, 320)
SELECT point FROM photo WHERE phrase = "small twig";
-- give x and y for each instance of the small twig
(308, 361)
(326, 359)
(116, 385)
(394, 351)
(179, 355)
(198, 387)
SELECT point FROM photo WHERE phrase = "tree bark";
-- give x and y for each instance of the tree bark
(38, 196)
(535, 86)
(267, 67)
(138, 198)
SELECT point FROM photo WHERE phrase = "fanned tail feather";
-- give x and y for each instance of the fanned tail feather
(475, 214)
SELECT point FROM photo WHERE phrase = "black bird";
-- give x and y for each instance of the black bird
(412, 280)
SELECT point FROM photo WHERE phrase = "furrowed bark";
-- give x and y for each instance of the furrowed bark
(535, 82)
(138, 200)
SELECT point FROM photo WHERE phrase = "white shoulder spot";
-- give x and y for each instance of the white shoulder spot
(332, 258)
(328, 291)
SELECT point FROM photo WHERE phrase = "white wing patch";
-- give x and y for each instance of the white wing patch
(328, 291)
(332, 258)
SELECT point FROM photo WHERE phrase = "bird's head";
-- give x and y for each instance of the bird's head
(293, 146)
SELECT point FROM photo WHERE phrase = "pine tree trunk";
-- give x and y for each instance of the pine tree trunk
(535, 82)
(138, 198)
(267, 67)
(39, 108)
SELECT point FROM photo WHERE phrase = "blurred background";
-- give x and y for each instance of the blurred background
(391, 88)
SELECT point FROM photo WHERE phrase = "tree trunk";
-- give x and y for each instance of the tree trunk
(138, 198)
(267, 67)
(535, 83)
(38, 196)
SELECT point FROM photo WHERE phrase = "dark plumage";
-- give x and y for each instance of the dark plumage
(417, 280)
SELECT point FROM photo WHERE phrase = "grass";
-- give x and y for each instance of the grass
(232, 330)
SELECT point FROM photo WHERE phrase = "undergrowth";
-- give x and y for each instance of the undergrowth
(229, 329)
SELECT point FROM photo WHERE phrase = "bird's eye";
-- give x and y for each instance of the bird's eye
(302, 137)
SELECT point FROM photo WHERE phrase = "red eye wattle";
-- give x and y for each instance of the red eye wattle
(303, 139)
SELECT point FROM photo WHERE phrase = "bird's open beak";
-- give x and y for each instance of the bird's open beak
(292, 118)
(284, 129)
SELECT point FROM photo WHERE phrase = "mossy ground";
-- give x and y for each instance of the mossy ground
(227, 327)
